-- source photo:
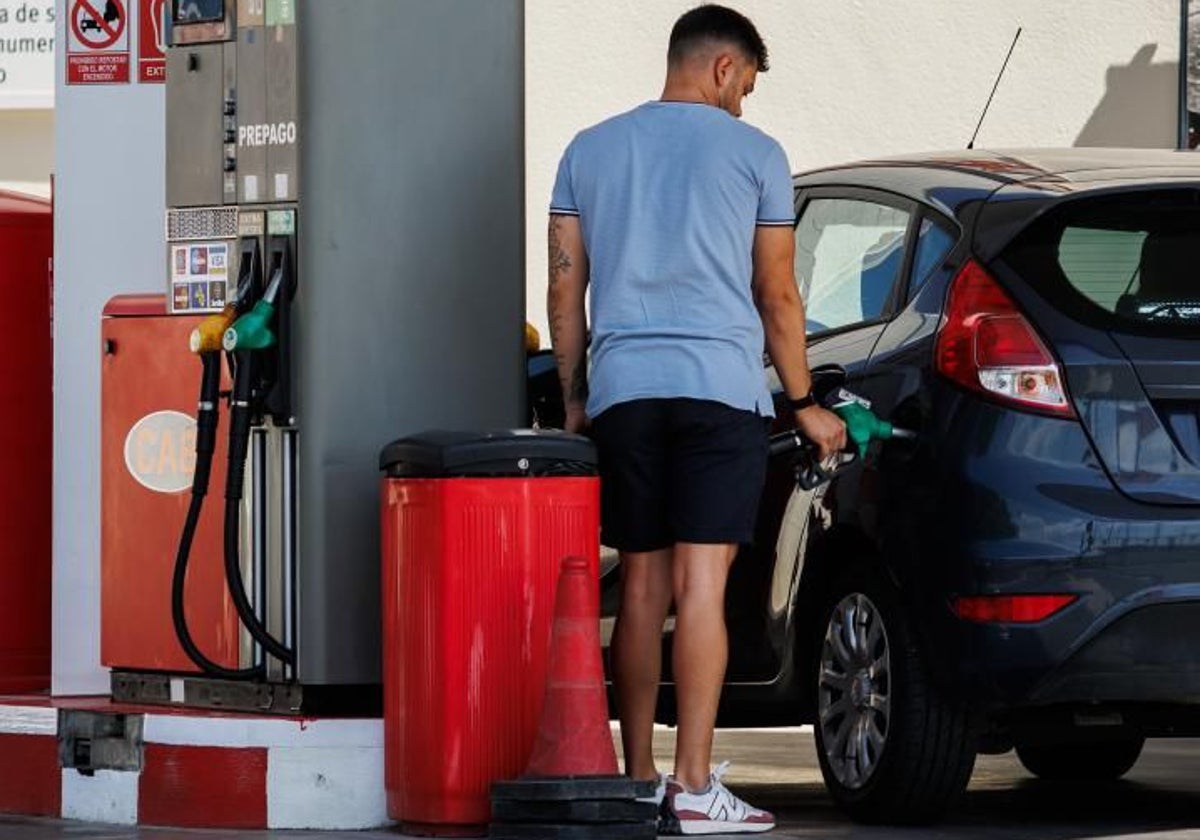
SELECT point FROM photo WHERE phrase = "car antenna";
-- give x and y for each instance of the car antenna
(1000, 76)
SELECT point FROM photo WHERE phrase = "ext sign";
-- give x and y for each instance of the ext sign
(27, 53)
(152, 42)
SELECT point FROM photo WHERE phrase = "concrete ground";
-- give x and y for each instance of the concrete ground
(777, 769)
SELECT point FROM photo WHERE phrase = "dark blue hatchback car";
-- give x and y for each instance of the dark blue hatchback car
(1027, 572)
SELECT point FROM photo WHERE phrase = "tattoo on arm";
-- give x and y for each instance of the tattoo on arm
(578, 391)
(560, 263)
(567, 320)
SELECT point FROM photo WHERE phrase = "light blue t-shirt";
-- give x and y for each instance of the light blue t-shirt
(668, 196)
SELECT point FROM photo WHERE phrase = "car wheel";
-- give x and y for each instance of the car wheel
(892, 748)
(1094, 762)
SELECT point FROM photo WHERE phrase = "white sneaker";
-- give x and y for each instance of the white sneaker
(660, 791)
(716, 811)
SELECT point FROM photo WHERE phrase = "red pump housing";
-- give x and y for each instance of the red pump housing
(149, 387)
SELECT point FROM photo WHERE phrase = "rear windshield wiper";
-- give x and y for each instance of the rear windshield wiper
(1170, 310)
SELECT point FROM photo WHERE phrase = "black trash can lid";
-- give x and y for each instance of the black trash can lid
(442, 453)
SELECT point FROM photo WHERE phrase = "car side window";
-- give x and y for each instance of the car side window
(849, 255)
(934, 241)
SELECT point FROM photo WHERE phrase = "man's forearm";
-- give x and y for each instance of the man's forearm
(783, 326)
(568, 331)
(565, 308)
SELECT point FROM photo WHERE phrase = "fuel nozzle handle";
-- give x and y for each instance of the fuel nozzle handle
(208, 334)
(253, 330)
(862, 426)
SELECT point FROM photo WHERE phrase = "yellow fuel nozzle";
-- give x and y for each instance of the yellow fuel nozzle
(533, 339)
(206, 338)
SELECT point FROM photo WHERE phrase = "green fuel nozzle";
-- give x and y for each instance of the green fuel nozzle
(862, 426)
(253, 330)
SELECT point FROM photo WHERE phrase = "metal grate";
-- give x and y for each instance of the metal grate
(202, 223)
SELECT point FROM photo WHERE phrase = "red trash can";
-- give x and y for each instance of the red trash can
(474, 526)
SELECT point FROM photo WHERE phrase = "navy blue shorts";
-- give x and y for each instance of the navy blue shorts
(679, 470)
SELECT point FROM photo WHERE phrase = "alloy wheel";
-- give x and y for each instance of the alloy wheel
(854, 690)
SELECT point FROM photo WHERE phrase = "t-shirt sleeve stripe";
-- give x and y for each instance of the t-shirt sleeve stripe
(776, 202)
(563, 211)
(775, 222)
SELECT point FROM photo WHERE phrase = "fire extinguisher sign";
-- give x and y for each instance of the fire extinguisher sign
(152, 46)
(98, 42)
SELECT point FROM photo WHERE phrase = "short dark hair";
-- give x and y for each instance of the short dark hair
(710, 22)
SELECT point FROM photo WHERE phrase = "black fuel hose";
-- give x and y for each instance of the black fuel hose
(240, 419)
(206, 440)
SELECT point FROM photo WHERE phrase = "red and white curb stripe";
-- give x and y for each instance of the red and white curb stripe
(204, 772)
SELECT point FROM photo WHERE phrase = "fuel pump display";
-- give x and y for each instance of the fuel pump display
(189, 11)
(315, 218)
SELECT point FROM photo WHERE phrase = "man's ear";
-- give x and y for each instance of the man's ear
(723, 68)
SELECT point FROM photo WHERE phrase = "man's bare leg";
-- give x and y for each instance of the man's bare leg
(699, 653)
(636, 651)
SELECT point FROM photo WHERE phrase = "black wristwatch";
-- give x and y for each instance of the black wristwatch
(801, 403)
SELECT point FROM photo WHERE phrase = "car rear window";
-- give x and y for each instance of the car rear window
(1128, 261)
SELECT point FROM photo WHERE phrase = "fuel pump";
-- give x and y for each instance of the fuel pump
(207, 414)
(246, 329)
(260, 383)
(315, 220)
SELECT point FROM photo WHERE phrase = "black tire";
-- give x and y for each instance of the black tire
(928, 746)
(1099, 761)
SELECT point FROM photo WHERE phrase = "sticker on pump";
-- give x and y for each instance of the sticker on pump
(217, 255)
(200, 260)
(199, 277)
(160, 451)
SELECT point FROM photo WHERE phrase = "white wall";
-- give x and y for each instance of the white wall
(108, 239)
(26, 151)
(27, 95)
(860, 79)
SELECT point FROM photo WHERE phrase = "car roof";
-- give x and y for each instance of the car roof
(949, 180)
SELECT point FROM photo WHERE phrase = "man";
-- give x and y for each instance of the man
(681, 218)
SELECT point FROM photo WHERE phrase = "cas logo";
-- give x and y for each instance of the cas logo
(160, 451)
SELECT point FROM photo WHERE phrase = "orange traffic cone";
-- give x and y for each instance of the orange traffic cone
(573, 737)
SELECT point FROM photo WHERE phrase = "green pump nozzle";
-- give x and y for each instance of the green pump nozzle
(253, 330)
(862, 426)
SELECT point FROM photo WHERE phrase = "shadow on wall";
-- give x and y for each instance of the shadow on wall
(1140, 108)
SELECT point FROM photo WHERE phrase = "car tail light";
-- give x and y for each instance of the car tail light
(1009, 609)
(987, 345)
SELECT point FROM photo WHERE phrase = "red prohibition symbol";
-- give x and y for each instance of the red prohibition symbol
(98, 28)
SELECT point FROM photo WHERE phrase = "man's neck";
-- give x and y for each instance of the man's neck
(682, 90)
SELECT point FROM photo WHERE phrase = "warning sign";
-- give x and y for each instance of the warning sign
(98, 42)
(152, 42)
(199, 276)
